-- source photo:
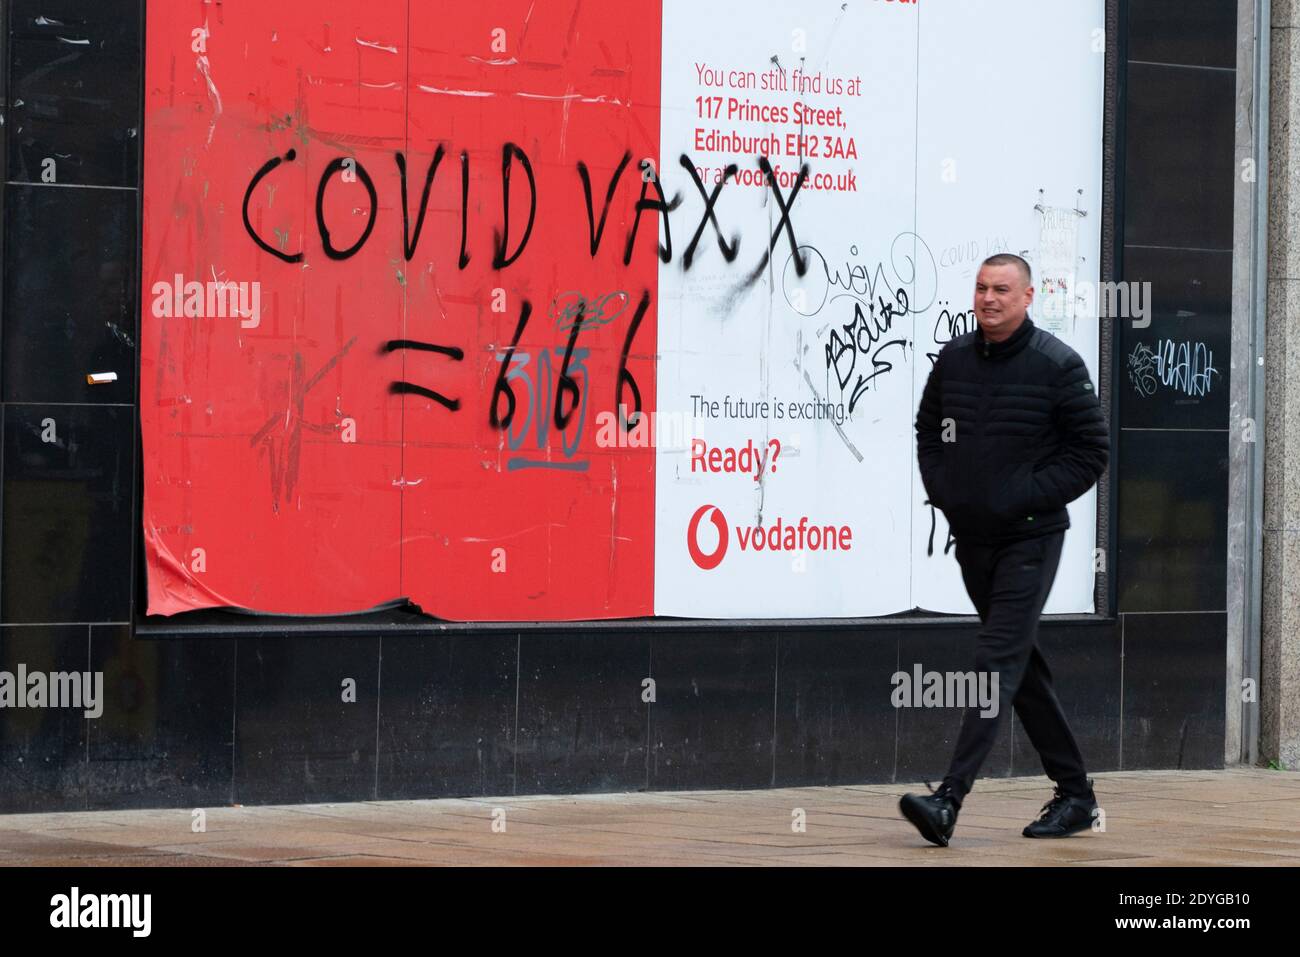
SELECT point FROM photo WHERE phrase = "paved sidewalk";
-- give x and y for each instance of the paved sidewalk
(1238, 816)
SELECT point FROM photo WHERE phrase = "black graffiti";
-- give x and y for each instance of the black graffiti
(409, 242)
(729, 253)
(948, 326)
(503, 257)
(916, 270)
(625, 378)
(401, 387)
(567, 384)
(862, 336)
(463, 260)
(502, 386)
(800, 264)
(502, 239)
(929, 545)
(261, 174)
(660, 206)
(596, 232)
(335, 166)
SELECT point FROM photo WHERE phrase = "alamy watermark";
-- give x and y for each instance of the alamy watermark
(946, 689)
(668, 430)
(216, 299)
(1106, 300)
(74, 909)
(57, 689)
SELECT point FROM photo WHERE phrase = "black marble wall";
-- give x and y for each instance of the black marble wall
(70, 144)
(1174, 229)
(220, 708)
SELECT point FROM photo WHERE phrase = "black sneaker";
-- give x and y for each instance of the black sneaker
(934, 814)
(1063, 815)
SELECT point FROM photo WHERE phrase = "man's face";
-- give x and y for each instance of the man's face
(1002, 298)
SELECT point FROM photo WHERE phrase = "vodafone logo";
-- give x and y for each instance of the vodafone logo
(780, 536)
(712, 559)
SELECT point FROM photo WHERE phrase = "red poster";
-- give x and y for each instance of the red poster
(350, 395)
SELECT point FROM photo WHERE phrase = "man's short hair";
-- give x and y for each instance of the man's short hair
(1011, 259)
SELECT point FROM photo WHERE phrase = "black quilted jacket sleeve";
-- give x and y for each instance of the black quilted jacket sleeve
(1084, 446)
(929, 443)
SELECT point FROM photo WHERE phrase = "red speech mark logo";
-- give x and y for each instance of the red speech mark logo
(714, 559)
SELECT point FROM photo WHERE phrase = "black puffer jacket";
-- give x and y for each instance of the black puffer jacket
(1008, 433)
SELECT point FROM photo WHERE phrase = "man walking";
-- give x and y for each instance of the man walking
(1009, 431)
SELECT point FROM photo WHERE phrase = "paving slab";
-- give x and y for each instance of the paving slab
(1237, 816)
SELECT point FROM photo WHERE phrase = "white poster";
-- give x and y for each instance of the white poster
(794, 491)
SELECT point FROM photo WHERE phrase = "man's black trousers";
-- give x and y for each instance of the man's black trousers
(1009, 583)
